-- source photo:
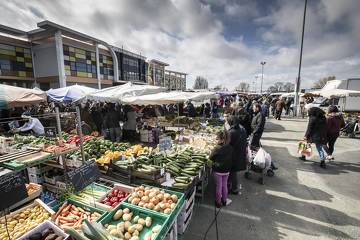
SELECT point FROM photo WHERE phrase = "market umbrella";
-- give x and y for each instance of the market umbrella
(11, 96)
(169, 98)
(117, 93)
(68, 94)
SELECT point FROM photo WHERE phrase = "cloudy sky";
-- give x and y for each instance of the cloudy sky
(222, 40)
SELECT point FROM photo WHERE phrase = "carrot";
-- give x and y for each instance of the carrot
(59, 211)
(80, 209)
(66, 209)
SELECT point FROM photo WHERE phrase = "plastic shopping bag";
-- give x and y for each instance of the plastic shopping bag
(304, 149)
(260, 158)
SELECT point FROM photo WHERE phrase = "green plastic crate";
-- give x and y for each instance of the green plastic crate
(157, 219)
(85, 207)
(179, 205)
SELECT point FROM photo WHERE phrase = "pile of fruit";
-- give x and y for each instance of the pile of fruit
(31, 188)
(114, 198)
(23, 222)
(71, 216)
(46, 234)
(131, 226)
(75, 139)
(154, 199)
(108, 157)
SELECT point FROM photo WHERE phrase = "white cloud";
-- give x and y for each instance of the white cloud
(188, 34)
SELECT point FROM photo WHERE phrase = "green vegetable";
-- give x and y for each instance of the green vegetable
(75, 235)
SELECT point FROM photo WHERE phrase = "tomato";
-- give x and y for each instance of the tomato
(108, 203)
(114, 204)
(114, 199)
(116, 192)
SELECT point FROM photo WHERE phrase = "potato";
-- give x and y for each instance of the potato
(154, 200)
(162, 205)
(120, 227)
(135, 201)
(127, 236)
(139, 227)
(126, 217)
(126, 210)
(160, 196)
(148, 221)
(156, 229)
(141, 221)
(135, 238)
(135, 219)
(136, 233)
(131, 229)
(127, 225)
(167, 196)
(150, 205)
(118, 215)
(141, 204)
(147, 192)
(152, 194)
(140, 193)
(157, 208)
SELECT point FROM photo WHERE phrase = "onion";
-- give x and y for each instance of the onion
(154, 200)
(166, 196)
(152, 194)
(147, 192)
(157, 208)
(162, 205)
(141, 204)
(140, 193)
(145, 199)
(172, 206)
(160, 196)
(150, 205)
(167, 211)
(174, 198)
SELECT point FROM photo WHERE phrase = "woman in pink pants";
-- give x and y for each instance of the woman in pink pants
(222, 162)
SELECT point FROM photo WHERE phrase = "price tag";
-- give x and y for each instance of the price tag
(50, 132)
(162, 171)
(164, 143)
(84, 175)
(12, 189)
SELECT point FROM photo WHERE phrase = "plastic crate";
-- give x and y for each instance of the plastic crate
(157, 219)
(119, 186)
(174, 212)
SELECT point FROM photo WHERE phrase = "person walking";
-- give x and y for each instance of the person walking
(257, 126)
(334, 122)
(238, 140)
(280, 104)
(316, 132)
(221, 156)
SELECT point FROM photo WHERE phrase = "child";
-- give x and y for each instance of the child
(222, 158)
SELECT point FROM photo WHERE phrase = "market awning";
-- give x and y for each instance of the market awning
(169, 98)
(70, 93)
(332, 93)
(118, 93)
(11, 96)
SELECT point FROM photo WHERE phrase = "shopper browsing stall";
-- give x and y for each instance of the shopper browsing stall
(32, 125)
(334, 122)
(222, 159)
(257, 126)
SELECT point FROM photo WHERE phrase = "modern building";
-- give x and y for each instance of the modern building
(54, 56)
(156, 72)
(175, 80)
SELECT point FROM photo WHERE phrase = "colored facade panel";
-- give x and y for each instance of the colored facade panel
(106, 67)
(79, 62)
(15, 61)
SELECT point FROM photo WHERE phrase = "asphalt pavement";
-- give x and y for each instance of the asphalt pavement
(302, 200)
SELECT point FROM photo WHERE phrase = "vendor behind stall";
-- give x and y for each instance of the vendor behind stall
(32, 125)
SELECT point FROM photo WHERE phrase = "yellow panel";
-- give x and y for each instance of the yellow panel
(89, 75)
(72, 59)
(19, 49)
(81, 74)
(67, 67)
(93, 59)
(20, 59)
(29, 65)
(110, 62)
(7, 52)
(27, 55)
(21, 74)
(77, 50)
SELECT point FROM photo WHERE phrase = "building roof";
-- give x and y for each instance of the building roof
(12, 31)
(159, 62)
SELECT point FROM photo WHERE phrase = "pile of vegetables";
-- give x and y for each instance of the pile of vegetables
(75, 139)
(46, 234)
(23, 222)
(114, 198)
(32, 141)
(71, 216)
(154, 199)
(131, 226)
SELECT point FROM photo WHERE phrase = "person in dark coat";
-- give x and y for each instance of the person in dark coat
(238, 140)
(221, 156)
(257, 126)
(280, 104)
(244, 118)
(207, 110)
(334, 122)
(316, 132)
(191, 110)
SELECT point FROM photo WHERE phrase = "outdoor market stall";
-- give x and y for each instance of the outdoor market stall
(11, 96)
(69, 94)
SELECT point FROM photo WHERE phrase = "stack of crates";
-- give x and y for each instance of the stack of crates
(186, 213)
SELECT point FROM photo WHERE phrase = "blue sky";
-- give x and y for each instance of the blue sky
(222, 40)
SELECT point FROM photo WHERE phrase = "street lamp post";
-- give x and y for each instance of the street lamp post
(262, 75)
(256, 78)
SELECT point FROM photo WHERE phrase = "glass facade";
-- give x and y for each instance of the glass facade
(130, 68)
(15, 61)
(79, 62)
(106, 67)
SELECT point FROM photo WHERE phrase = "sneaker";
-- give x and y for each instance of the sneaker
(322, 164)
(227, 202)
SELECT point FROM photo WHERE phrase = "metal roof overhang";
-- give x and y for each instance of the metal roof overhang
(12, 31)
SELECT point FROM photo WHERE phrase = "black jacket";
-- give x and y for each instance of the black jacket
(222, 156)
(244, 119)
(258, 123)
(316, 130)
(238, 140)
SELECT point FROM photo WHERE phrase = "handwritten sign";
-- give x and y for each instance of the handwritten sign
(50, 132)
(164, 143)
(12, 189)
(84, 175)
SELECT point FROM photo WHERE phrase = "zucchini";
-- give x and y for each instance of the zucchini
(96, 232)
(75, 235)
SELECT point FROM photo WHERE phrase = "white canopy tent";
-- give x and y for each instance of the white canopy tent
(332, 93)
(68, 94)
(118, 93)
(169, 98)
(11, 96)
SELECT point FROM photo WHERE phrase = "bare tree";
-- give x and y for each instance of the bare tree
(272, 89)
(201, 83)
(279, 86)
(289, 87)
(243, 87)
(322, 82)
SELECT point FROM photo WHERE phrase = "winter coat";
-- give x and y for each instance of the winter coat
(238, 140)
(222, 156)
(244, 119)
(334, 122)
(317, 130)
(280, 105)
(258, 123)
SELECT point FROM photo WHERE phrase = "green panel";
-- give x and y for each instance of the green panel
(21, 74)
(7, 52)
(27, 55)
(20, 59)
(29, 65)
(72, 59)
(81, 74)
(19, 49)
(80, 51)
(67, 67)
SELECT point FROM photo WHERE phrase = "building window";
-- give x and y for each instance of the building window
(15, 61)
(107, 67)
(79, 62)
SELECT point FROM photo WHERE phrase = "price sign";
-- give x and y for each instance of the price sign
(12, 189)
(50, 132)
(164, 143)
(84, 175)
